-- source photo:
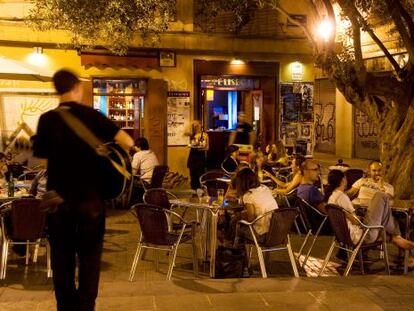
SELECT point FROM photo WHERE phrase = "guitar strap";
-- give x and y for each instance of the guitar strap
(82, 131)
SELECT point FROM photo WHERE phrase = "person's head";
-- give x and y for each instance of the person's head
(233, 151)
(336, 180)
(297, 162)
(258, 159)
(68, 85)
(241, 117)
(197, 126)
(310, 170)
(245, 180)
(375, 170)
(142, 143)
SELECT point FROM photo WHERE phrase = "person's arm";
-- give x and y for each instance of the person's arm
(251, 215)
(290, 185)
(135, 164)
(206, 142)
(124, 140)
(232, 137)
(275, 180)
(353, 192)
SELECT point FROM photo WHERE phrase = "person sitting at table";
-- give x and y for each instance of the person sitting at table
(258, 199)
(276, 154)
(286, 187)
(367, 187)
(144, 160)
(231, 162)
(307, 190)
(378, 213)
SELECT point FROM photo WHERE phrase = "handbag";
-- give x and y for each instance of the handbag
(114, 161)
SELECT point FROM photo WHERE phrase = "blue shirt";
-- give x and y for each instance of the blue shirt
(310, 194)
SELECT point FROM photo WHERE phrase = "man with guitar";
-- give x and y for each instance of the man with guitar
(76, 165)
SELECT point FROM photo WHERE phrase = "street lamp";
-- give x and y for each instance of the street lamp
(325, 29)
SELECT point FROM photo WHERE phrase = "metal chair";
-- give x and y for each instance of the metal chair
(22, 222)
(307, 214)
(155, 234)
(161, 197)
(210, 184)
(290, 200)
(337, 217)
(277, 238)
(157, 177)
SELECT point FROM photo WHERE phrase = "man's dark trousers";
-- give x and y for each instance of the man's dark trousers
(76, 229)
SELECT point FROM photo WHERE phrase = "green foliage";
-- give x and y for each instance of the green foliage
(113, 23)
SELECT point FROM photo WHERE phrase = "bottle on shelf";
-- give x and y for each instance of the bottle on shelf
(10, 186)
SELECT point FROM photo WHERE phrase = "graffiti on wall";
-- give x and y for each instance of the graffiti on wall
(20, 115)
(366, 136)
(324, 123)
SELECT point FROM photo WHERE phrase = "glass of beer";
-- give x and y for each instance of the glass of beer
(220, 196)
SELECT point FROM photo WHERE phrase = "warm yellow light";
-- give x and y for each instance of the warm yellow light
(210, 95)
(237, 61)
(37, 58)
(325, 29)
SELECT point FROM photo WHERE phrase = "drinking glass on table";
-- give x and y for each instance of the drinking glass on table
(200, 194)
(220, 196)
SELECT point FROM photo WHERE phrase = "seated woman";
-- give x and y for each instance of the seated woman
(286, 187)
(258, 199)
(231, 162)
(378, 212)
(276, 154)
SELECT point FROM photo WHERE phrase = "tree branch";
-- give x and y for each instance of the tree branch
(293, 21)
(367, 28)
(396, 10)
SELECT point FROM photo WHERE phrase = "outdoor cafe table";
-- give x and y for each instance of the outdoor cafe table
(404, 207)
(213, 211)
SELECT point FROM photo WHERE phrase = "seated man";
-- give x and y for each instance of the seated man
(367, 187)
(307, 190)
(144, 160)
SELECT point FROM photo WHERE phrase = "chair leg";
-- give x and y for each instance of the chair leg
(4, 259)
(156, 260)
(195, 257)
(27, 252)
(328, 256)
(261, 262)
(297, 228)
(48, 261)
(385, 250)
(292, 258)
(135, 262)
(314, 238)
(173, 255)
(305, 241)
(351, 261)
(36, 251)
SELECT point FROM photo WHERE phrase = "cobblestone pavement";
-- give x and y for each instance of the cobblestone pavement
(27, 288)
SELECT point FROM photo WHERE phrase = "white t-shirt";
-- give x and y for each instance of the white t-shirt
(263, 201)
(368, 187)
(143, 163)
(341, 199)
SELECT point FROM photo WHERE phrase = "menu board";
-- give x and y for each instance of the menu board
(291, 107)
(178, 111)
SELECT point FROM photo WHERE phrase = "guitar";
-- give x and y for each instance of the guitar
(116, 170)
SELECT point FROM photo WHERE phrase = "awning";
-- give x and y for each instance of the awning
(119, 61)
(15, 70)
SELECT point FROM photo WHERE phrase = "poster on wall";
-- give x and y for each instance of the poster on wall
(20, 114)
(178, 111)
